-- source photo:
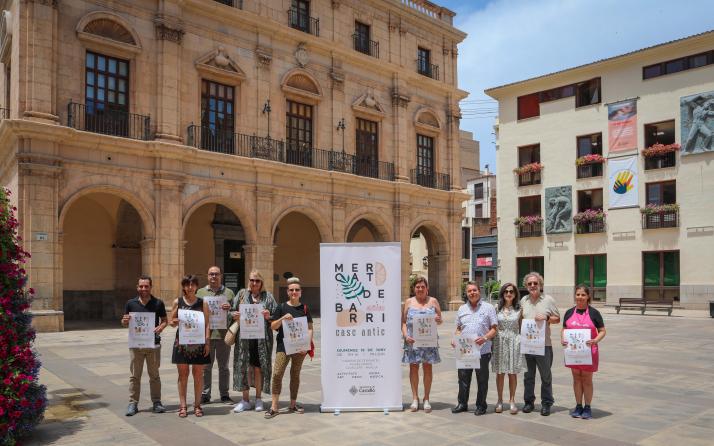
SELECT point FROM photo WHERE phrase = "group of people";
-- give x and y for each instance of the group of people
(497, 333)
(252, 358)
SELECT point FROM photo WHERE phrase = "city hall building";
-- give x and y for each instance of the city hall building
(606, 176)
(165, 137)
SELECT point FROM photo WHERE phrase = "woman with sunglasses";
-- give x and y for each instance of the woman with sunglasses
(507, 358)
(253, 355)
(289, 310)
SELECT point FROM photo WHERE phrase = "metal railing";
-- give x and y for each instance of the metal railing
(251, 146)
(432, 180)
(234, 3)
(660, 161)
(590, 227)
(529, 230)
(589, 170)
(4, 113)
(428, 69)
(365, 46)
(528, 178)
(303, 22)
(108, 121)
(669, 219)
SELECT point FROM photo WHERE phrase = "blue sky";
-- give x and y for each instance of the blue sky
(511, 40)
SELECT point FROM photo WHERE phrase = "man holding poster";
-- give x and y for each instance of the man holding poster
(144, 302)
(541, 308)
(217, 296)
(478, 319)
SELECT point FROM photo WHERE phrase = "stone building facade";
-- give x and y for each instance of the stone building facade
(164, 137)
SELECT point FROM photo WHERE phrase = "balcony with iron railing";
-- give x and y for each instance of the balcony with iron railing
(661, 219)
(302, 21)
(528, 178)
(4, 113)
(365, 46)
(433, 180)
(590, 227)
(428, 69)
(589, 170)
(234, 3)
(524, 230)
(251, 146)
(97, 118)
(660, 161)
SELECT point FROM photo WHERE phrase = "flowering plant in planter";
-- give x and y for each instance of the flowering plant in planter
(528, 220)
(659, 208)
(660, 149)
(589, 215)
(590, 159)
(527, 168)
(22, 398)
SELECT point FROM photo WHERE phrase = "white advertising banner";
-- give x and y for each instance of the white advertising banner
(532, 337)
(295, 335)
(141, 329)
(360, 310)
(577, 352)
(217, 317)
(623, 182)
(252, 322)
(192, 327)
(468, 353)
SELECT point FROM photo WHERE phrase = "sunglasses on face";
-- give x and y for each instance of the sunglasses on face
(509, 292)
(294, 290)
(532, 284)
(214, 274)
(254, 280)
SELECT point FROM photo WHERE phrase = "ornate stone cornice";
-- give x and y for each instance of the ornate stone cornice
(167, 32)
(53, 3)
(399, 99)
(264, 56)
(338, 79)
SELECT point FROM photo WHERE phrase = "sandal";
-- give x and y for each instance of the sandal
(427, 406)
(415, 405)
(182, 413)
(198, 411)
(297, 409)
(271, 413)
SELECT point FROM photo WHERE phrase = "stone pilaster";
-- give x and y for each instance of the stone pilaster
(169, 35)
(167, 269)
(401, 132)
(264, 250)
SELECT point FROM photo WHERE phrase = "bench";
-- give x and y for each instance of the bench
(645, 304)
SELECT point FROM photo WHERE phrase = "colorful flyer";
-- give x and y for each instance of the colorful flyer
(424, 330)
(192, 327)
(252, 322)
(217, 317)
(141, 329)
(532, 337)
(295, 335)
(468, 353)
(577, 352)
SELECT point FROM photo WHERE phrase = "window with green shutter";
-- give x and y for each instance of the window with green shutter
(661, 274)
(591, 270)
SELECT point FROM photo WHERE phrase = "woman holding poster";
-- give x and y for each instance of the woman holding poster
(290, 311)
(253, 353)
(415, 308)
(195, 355)
(583, 316)
(507, 358)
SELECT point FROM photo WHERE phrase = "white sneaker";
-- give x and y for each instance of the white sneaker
(243, 405)
(258, 405)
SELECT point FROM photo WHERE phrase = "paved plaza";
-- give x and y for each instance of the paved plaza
(655, 387)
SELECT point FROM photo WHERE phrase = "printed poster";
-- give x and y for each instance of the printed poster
(468, 353)
(623, 182)
(532, 337)
(424, 330)
(217, 317)
(622, 125)
(295, 335)
(361, 344)
(577, 352)
(192, 327)
(252, 322)
(141, 329)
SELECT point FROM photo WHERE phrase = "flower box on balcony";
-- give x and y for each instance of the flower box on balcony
(528, 220)
(660, 149)
(589, 159)
(529, 226)
(659, 208)
(656, 216)
(589, 221)
(528, 168)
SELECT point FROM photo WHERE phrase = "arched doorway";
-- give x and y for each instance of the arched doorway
(428, 252)
(101, 257)
(214, 235)
(363, 231)
(296, 242)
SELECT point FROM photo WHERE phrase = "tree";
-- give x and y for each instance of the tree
(22, 398)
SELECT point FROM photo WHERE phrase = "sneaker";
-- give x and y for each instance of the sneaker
(528, 408)
(132, 409)
(259, 405)
(577, 412)
(243, 405)
(587, 413)
(158, 407)
(545, 410)
(205, 399)
(227, 399)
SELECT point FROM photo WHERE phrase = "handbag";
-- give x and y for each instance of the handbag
(232, 334)
(310, 352)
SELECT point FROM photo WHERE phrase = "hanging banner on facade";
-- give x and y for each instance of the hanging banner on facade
(361, 349)
(622, 125)
(141, 329)
(623, 182)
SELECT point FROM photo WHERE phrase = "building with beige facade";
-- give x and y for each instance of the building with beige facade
(164, 137)
(661, 246)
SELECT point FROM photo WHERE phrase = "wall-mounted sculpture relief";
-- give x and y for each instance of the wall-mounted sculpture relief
(558, 209)
(697, 112)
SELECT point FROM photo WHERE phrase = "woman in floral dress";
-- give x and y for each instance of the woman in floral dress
(507, 358)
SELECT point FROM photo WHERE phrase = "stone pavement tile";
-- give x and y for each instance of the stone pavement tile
(614, 429)
(495, 438)
(421, 437)
(681, 435)
(703, 419)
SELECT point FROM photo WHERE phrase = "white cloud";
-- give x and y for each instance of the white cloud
(512, 40)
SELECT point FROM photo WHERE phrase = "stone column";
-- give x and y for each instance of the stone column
(263, 258)
(338, 218)
(401, 132)
(401, 232)
(168, 268)
(169, 34)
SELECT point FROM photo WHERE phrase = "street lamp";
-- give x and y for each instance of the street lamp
(267, 110)
(341, 126)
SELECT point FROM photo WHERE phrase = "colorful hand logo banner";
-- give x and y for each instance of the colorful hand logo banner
(623, 182)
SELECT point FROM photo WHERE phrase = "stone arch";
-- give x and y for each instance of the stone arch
(248, 223)
(437, 255)
(299, 82)
(438, 239)
(313, 214)
(110, 26)
(428, 118)
(382, 231)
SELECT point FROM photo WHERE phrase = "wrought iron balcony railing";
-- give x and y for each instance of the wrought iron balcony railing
(668, 219)
(249, 146)
(365, 46)
(428, 69)
(97, 118)
(590, 227)
(302, 21)
(529, 230)
(433, 180)
(4, 113)
(589, 170)
(660, 161)
(234, 3)
(528, 178)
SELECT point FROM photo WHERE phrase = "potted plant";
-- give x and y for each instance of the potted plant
(528, 220)
(660, 149)
(590, 159)
(589, 215)
(651, 209)
(528, 168)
